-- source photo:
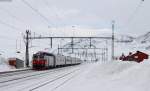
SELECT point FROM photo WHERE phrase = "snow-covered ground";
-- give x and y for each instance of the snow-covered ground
(111, 76)
(4, 65)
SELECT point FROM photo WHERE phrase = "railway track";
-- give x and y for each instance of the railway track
(33, 80)
(12, 73)
(63, 77)
(5, 72)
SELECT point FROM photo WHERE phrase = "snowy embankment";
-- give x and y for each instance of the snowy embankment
(4, 68)
(4, 65)
(111, 76)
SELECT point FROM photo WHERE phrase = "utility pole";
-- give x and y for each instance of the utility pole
(113, 26)
(72, 44)
(58, 50)
(27, 48)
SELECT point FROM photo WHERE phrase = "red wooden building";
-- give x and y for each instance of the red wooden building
(138, 57)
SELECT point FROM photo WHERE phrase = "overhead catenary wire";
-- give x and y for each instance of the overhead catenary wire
(13, 16)
(10, 14)
(48, 5)
(10, 26)
(57, 16)
(43, 42)
(133, 15)
(37, 12)
(6, 38)
(17, 18)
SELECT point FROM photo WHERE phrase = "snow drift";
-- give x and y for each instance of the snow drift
(4, 65)
(111, 76)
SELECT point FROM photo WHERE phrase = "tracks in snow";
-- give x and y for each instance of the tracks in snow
(62, 78)
(12, 73)
(38, 80)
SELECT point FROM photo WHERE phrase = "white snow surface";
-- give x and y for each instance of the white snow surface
(111, 76)
(4, 65)
(100, 76)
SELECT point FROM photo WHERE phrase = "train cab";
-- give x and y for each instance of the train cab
(38, 61)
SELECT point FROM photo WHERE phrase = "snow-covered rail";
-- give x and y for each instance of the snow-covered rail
(62, 78)
(32, 80)
(12, 73)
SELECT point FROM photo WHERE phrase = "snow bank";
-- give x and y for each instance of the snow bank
(111, 76)
(4, 65)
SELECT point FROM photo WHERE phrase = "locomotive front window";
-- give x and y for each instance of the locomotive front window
(41, 56)
(35, 56)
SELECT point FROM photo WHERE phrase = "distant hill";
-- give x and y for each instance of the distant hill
(124, 38)
(145, 38)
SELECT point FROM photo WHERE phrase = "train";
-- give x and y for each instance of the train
(44, 60)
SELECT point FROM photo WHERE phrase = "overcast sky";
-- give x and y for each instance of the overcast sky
(43, 16)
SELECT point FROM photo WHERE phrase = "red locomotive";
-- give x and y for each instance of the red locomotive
(44, 60)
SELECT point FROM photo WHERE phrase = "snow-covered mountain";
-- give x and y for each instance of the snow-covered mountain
(124, 38)
(123, 43)
(145, 38)
(85, 48)
(98, 43)
(143, 41)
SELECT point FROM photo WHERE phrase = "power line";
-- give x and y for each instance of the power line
(36, 11)
(135, 12)
(13, 16)
(5, 38)
(47, 4)
(10, 14)
(6, 24)
(10, 26)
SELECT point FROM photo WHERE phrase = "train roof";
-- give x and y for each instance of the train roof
(45, 53)
(51, 54)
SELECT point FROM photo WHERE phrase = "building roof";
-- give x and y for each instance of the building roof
(139, 52)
